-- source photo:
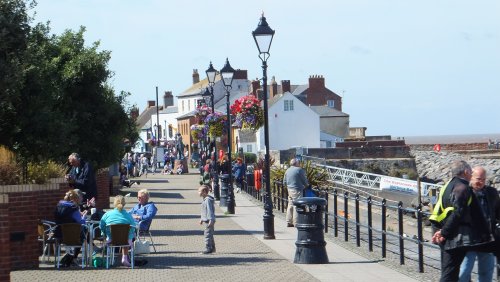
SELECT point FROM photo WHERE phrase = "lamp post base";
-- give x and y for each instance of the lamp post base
(268, 219)
(216, 188)
(269, 227)
(230, 200)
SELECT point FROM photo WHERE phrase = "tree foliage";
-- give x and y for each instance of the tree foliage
(61, 100)
(14, 30)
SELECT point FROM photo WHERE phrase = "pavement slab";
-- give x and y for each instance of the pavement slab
(242, 253)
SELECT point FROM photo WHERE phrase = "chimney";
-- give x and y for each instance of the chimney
(285, 86)
(151, 103)
(316, 83)
(240, 74)
(255, 86)
(273, 89)
(196, 76)
(168, 99)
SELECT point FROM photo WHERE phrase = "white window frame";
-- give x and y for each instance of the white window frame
(330, 103)
(288, 105)
(249, 148)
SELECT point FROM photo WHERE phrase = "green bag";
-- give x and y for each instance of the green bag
(97, 262)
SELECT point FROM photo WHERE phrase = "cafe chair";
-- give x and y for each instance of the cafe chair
(46, 237)
(119, 239)
(141, 234)
(71, 238)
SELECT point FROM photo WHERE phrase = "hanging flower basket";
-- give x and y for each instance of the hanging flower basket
(197, 132)
(248, 113)
(202, 112)
(215, 124)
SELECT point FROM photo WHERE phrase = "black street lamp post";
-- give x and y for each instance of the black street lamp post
(227, 73)
(211, 73)
(263, 36)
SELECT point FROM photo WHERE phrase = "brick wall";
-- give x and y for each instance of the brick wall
(4, 238)
(103, 183)
(20, 208)
(23, 230)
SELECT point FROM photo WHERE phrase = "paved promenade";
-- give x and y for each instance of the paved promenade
(242, 254)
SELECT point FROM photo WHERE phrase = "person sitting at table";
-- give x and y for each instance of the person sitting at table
(84, 205)
(67, 211)
(144, 211)
(118, 216)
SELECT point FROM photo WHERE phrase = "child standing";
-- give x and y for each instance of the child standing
(207, 217)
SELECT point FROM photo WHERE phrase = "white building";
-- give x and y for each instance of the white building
(291, 124)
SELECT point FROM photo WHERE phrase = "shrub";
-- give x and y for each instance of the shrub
(316, 176)
(250, 158)
(10, 171)
(40, 173)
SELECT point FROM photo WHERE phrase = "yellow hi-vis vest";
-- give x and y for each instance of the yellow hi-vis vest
(439, 213)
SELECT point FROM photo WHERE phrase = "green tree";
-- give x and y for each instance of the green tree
(57, 96)
(14, 30)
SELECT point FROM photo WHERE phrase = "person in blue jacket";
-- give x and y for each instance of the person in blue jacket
(144, 211)
(239, 170)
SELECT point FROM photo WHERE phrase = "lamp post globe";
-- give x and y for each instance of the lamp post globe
(211, 73)
(227, 75)
(263, 36)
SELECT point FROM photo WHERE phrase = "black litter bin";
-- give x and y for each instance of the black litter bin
(224, 189)
(310, 225)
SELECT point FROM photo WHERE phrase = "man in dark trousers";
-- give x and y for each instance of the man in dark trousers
(81, 176)
(490, 206)
(465, 228)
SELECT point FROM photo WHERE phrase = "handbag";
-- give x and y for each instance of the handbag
(309, 192)
(141, 247)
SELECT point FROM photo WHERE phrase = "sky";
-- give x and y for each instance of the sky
(403, 67)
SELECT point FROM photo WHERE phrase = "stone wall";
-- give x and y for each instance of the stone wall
(450, 147)
(365, 152)
(436, 166)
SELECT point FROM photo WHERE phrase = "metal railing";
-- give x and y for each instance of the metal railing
(367, 224)
(360, 179)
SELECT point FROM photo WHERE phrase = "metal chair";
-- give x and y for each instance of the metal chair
(46, 236)
(142, 234)
(71, 238)
(119, 238)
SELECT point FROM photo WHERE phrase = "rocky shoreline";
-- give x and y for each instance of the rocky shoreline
(435, 165)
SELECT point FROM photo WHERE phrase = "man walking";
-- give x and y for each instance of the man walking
(296, 181)
(465, 228)
(489, 202)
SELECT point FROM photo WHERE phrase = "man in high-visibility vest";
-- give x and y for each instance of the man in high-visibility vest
(465, 227)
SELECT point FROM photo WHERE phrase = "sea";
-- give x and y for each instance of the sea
(452, 139)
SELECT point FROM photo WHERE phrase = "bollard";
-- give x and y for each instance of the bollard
(310, 238)
(250, 181)
(224, 189)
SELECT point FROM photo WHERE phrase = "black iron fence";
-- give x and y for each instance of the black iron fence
(365, 220)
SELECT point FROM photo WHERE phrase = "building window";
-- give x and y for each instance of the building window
(288, 105)
(182, 105)
(249, 148)
(189, 106)
(330, 103)
(328, 144)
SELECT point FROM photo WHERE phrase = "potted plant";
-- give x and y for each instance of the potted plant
(248, 112)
